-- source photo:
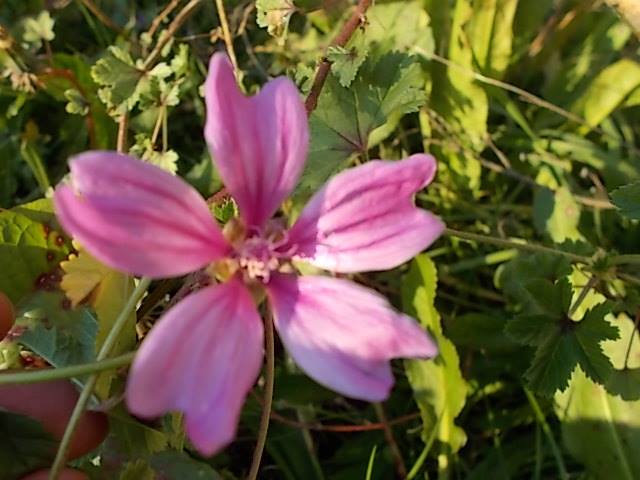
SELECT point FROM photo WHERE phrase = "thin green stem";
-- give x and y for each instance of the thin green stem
(48, 374)
(583, 294)
(87, 390)
(537, 411)
(530, 247)
(633, 259)
(268, 396)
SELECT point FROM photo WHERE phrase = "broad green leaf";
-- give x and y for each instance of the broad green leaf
(24, 446)
(557, 213)
(399, 26)
(438, 386)
(137, 470)
(491, 34)
(627, 199)
(599, 429)
(624, 353)
(341, 124)
(59, 334)
(460, 105)
(106, 291)
(30, 250)
(608, 91)
(171, 465)
(132, 438)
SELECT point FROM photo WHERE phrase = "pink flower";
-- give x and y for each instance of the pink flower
(205, 354)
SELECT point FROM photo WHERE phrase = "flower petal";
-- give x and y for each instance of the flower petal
(365, 219)
(137, 218)
(202, 358)
(259, 144)
(343, 335)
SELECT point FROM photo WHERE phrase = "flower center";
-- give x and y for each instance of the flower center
(257, 254)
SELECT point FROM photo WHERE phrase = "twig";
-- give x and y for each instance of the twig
(157, 21)
(100, 15)
(268, 396)
(341, 40)
(123, 125)
(168, 34)
(226, 33)
(401, 468)
(531, 247)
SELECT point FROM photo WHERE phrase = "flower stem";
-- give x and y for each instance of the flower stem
(48, 374)
(531, 247)
(85, 394)
(535, 406)
(268, 396)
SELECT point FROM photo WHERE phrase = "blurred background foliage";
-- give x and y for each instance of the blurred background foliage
(531, 109)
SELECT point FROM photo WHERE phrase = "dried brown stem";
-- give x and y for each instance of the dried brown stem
(168, 34)
(356, 19)
(157, 21)
(401, 468)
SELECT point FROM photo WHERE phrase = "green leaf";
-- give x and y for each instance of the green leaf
(480, 331)
(171, 465)
(30, 250)
(491, 34)
(601, 430)
(564, 344)
(77, 104)
(399, 26)
(347, 60)
(608, 91)
(24, 446)
(627, 199)
(132, 438)
(137, 470)
(624, 353)
(345, 117)
(557, 213)
(38, 29)
(438, 385)
(55, 332)
(274, 15)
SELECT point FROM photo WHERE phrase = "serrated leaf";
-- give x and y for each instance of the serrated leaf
(601, 430)
(345, 117)
(24, 446)
(438, 385)
(347, 60)
(569, 344)
(119, 77)
(132, 438)
(30, 250)
(39, 29)
(624, 353)
(59, 334)
(627, 199)
(400, 26)
(274, 15)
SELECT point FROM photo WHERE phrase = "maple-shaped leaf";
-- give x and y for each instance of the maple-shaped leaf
(387, 85)
(561, 343)
(627, 199)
